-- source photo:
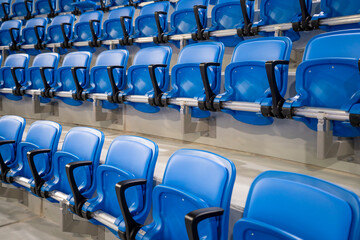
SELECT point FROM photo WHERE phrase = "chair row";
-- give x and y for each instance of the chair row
(280, 205)
(258, 73)
(189, 17)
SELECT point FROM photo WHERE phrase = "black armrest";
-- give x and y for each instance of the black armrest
(126, 39)
(46, 93)
(115, 89)
(38, 38)
(193, 218)
(4, 168)
(277, 99)
(79, 89)
(200, 28)
(13, 45)
(66, 43)
(6, 14)
(93, 43)
(131, 226)
(160, 37)
(28, 11)
(39, 182)
(79, 199)
(17, 91)
(246, 31)
(52, 10)
(156, 101)
(210, 96)
(304, 24)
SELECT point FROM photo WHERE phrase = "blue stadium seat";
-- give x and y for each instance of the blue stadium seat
(291, 206)
(87, 5)
(119, 20)
(246, 76)
(41, 75)
(67, 6)
(279, 11)
(108, 76)
(139, 80)
(227, 14)
(61, 31)
(129, 159)
(11, 131)
(35, 153)
(338, 8)
(45, 7)
(113, 3)
(12, 75)
(186, 77)
(329, 77)
(34, 34)
(88, 28)
(73, 76)
(192, 190)
(10, 33)
(81, 145)
(22, 8)
(5, 10)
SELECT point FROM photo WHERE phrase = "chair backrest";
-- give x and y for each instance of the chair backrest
(81, 58)
(14, 60)
(28, 32)
(66, 5)
(19, 8)
(54, 33)
(82, 27)
(17, 60)
(11, 24)
(40, 21)
(302, 206)
(43, 60)
(87, 16)
(42, 6)
(46, 60)
(338, 8)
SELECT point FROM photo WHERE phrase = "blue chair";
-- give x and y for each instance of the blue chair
(129, 159)
(11, 131)
(193, 191)
(82, 146)
(89, 5)
(22, 8)
(246, 76)
(34, 34)
(12, 75)
(194, 62)
(226, 15)
(119, 24)
(61, 31)
(108, 76)
(35, 153)
(329, 77)
(140, 81)
(45, 7)
(279, 11)
(67, 6)
(88, 29)
(73, 76)
(113, 3)
(10, 34)
(41, 75)
(337, 8)
(5, 10)
(291, 206)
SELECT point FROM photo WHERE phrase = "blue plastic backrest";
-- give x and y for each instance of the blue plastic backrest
(189, 4)
(154, 7)
(46, 60)
(44, 134)
(112, 58)
(36, 22)
(153, 55)
(119, 12)
(11, 24)
(337, 8)
(209, 53)
(322, 46)
(304, 206)
(77, 59)
(12, 127)
(17, 60)
(58, 20)
(86, 17)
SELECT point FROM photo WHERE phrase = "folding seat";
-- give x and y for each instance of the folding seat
(227, 14)
(195, 61)
(337, 8)
(119, 24)
(282, 205)
(5, 10)
(82, 146)
(61, 31)
(34, 34)
(45, 7)
(108, 76)
(279, 11)
(246, 76)
(12, 75)
(186, 190)
(329, 77)
(11, 131)
(73, 76)
(88, 29)
(10, 33)
(151, 59)
(35, 153)
(129, 159)
(22, 8)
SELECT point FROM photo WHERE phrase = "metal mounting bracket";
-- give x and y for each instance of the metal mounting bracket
(115, 115)
(51, 108)
(12, 192)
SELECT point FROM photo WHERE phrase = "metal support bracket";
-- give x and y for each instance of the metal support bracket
(51, 108)
(206, 127)
(12, 192)
(115, 115)
(326, 146)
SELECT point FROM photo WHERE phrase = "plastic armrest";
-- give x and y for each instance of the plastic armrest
(66, 43)
(4, 168)
(123, 26)
(6, 14)
(199, 35)
(160, 38)
(37, 35)
(115, 90)
(92, 29)
(47, 87)
(303, 25)
(246, 31)
(39, 182)
(78, 94)
(52, 10)
(193, 219)
(277, 99)
(210, 96)
(13, 40)
(79, 199)
(156, 100)
(28, 12)
(17, 91)
(131, 226)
